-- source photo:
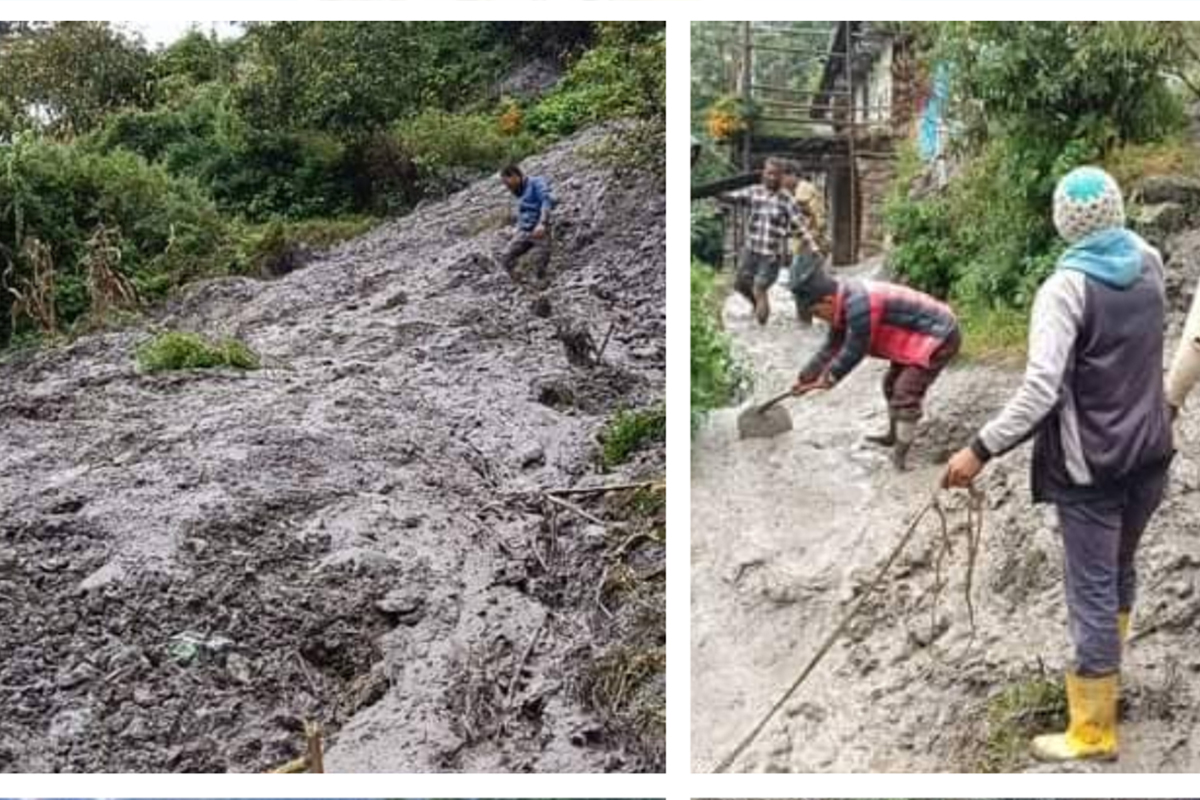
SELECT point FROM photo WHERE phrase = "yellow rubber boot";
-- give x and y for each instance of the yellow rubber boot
(1092, 727)
(1123, 626)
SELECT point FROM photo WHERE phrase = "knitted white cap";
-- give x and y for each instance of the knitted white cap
(1087, 200)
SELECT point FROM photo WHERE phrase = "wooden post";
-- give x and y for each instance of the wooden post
(747, 96)
(850, 136)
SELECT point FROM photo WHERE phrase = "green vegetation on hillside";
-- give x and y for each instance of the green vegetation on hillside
(211, 156)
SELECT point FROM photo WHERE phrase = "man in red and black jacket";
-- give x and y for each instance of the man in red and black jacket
(916, 333)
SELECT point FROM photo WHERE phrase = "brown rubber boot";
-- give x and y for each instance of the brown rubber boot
(906, 432)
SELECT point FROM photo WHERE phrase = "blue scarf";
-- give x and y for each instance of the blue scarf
(1112, 256)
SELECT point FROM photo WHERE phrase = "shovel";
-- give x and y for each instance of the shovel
(766, 419)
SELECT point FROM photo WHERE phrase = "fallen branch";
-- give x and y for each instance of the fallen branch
(612, 487)
(569, 506)
(604, 345)
(520, 665)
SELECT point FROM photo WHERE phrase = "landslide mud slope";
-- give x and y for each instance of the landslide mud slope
(194, 564)
(786, 532)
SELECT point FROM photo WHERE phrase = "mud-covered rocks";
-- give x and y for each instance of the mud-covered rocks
(342, 516)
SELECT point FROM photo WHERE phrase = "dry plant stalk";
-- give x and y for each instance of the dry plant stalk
(107, 287)
(33, 294)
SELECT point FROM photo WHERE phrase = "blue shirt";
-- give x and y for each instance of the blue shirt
(535, 196)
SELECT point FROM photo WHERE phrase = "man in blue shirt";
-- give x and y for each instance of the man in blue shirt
(533, 221)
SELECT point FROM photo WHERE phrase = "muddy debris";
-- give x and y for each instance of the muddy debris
(909, 689)
(193, 566)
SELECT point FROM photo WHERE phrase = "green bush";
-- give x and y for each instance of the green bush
(60, 193)
(708, 234)
(623, 76)
(177, 350)
(716, 375)
(630, 431)
(987, 240)
(439, 140)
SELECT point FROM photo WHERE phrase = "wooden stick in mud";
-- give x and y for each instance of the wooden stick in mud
(612, 487)
(316, 749)
(558, 501)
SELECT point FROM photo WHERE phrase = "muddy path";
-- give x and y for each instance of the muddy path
(194, 564)
(787, 531)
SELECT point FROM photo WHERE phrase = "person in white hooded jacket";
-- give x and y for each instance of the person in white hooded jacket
(1185, 367)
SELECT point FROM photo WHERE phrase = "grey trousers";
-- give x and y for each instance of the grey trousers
(1100, 540)
(523, 242)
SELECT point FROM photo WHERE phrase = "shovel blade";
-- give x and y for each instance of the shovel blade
(765, 423)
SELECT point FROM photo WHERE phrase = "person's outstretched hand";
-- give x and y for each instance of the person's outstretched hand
(962, 469)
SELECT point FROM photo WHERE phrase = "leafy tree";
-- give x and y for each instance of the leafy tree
(70, 74)
(1032, 100)
(356, 76)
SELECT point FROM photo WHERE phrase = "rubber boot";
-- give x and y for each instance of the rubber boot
(906, 432)
(762, 306)
(884, 439)
(1092, 728)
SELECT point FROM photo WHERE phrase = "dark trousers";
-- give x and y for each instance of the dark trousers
(905, 386)
(523, 242)
(1100, 540)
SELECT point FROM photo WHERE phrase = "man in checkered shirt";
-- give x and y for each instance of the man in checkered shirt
(775, 217)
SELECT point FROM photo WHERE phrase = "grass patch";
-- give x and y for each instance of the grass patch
(1133, 162)
(993, 333)
(1019, 712)
(630, 431)
(279, 247)
(177, 350)
(625, 686)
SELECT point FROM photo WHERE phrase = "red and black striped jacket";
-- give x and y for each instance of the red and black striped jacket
(883, 320)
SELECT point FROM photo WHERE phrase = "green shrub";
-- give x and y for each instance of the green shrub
(716, 375)
(60, 193)
(623, 76)
(177, 350)
(439, 140)
(629, 431)
(987, 240)
(635, 149)
(708, 234)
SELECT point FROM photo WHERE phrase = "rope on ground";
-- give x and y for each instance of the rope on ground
(974, 535)
(933, 505)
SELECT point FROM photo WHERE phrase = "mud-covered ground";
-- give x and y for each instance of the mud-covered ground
(194, 564)
(787, 531)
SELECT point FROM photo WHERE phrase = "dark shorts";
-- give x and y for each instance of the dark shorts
(756, 272)
(905, 386)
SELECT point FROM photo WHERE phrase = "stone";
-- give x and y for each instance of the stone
(1169, 189)
(533, 455)
(406, 607)
(1159, 220)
